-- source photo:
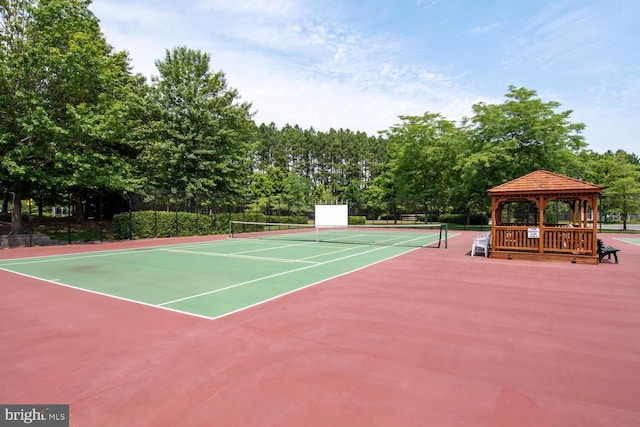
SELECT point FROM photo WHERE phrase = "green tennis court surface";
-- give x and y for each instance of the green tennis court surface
(209, 279)
(634, 241)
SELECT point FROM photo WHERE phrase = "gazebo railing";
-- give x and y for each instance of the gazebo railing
(514, 238)
(555, 239)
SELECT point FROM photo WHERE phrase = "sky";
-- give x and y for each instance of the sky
(360, 64)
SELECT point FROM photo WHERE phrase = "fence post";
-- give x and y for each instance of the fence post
(69, 218)
(426, 212)
(177, 224)
(100, 213)
(155, 213)
(130, 219)
(215, 212)
(30, 221)
(197, 207)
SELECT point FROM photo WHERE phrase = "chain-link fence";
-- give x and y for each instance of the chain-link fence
(67, 217)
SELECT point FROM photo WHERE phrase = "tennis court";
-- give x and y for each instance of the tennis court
(216, 278)
(417, 337)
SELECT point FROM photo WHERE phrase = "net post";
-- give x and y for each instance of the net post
(231, 229)
(446, 235)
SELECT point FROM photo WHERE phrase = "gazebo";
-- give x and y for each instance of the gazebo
(526, 218)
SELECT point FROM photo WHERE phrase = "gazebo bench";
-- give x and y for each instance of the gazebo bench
(605, 250)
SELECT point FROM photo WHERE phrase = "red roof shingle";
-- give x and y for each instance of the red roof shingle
(542, 181)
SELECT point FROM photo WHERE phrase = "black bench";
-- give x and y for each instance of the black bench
(604, 250)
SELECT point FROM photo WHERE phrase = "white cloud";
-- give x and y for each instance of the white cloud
(484, 29)
(426, 3)
(269, 8)
(301, 63)
(562, 32)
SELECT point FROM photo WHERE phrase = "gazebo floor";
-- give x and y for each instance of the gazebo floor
(535, 256)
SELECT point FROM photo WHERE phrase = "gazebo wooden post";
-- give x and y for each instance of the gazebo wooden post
(542, 205)
(594, 207)
(496, 219)
(580, 213)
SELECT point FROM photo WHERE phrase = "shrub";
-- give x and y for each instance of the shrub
(474, 219)
(357, 220)
(149, 224)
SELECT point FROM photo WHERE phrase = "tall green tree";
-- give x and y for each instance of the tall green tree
(200, 133)
(514, 138)
(278, 188)
(619, 173)
(336, 165)
(61, 86)
(268, 148)
(421, 156)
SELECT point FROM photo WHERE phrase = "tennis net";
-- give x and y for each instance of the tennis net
(414, 235)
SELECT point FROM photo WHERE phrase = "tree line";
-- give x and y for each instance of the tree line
(75, 120)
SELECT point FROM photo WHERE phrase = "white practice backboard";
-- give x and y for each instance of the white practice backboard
(329, 215)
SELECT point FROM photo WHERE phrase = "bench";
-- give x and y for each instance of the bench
(410, 217)
(482, 242)
(604, 250)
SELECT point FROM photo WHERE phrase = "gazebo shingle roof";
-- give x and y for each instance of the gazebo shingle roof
(542, 181)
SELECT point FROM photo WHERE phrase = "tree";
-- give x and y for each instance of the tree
(519, 136)
(60, 82)
(422, 152)
(335, 165)
(268, 149)
(199, 133)
(286, 190)
(296, 195)
(619, 173)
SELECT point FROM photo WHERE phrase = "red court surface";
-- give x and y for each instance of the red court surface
(431, 338)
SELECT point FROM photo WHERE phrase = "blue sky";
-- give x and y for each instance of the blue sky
(360, 64)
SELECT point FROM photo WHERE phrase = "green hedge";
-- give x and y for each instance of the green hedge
(474, 219)
(357, 220)
(398, 217)
(149, 224)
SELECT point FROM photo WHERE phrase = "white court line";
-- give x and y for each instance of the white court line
(271, 247)
(215, 291)
(58, 283)
(114, 252)
(282, 246)
(346, 237)
(160, 306)
(329, 241)
(240, 255)
(626, 241)
(342, 249)
(275, 297)
(97, 254)
(48, 258)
